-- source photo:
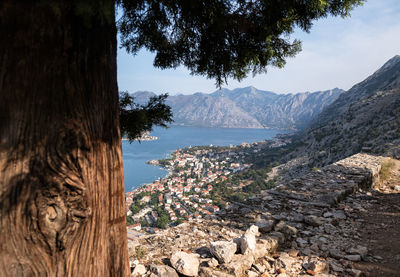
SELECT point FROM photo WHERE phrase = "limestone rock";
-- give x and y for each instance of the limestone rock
(279, 236)
(248, 240)
(163, 271)
(264, 226)
(293, 253)
(313, 220)
(184, 263)
(286, 260)
(251, 273)
(260, 268)
(212, 263)
(339, 214)
(354, 272)
(302, 243)
(208, 272)
(353, 258)
(223, 250)
(239, 264)
(317, 266)
(334, 253)
(132, 246)
(139, 270)
(283, 227)
(260, 251)
(328, 214)
(270, 244)
(336, 267)
(358, 250)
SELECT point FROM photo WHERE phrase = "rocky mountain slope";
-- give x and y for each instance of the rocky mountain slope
(247, 108)
(207, 110)
(365, 118)
(282, 111)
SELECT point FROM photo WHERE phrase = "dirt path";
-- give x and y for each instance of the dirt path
(381, 228)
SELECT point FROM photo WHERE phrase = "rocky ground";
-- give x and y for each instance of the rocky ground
(326, 223)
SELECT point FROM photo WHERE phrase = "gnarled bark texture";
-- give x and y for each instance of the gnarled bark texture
(61, 176)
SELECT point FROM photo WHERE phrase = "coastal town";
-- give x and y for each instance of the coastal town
(201, 181)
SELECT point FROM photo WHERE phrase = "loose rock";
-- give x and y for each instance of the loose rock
(313, 220)
(163, 271)
(223, 250)
(139, 270)
(248, 240)
(184, 263)
(353, 258)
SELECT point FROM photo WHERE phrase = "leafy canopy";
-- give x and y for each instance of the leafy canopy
(136, 119)
(222, 38)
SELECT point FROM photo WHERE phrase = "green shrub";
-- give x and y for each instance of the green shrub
(129, 221)
(386, 166)
(140, 252)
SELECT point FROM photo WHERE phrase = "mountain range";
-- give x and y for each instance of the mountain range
(332, 124)
(246, 108)
(364, 118)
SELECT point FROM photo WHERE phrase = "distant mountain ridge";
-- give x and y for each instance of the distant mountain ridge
(246, 108)
(364, 118)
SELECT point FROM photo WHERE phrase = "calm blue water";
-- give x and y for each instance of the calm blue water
(137, 172)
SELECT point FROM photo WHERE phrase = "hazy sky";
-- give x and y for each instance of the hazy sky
(336, 53)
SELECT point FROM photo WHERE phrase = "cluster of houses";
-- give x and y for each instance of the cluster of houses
(185, 192)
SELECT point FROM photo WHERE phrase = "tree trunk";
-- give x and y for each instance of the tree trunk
(62, 209)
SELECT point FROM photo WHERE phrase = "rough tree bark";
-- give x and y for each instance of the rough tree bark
(61, 176)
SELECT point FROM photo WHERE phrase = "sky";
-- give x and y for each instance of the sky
(338, 52)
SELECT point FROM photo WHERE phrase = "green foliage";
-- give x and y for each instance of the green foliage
(252, 174)
(221, 39)
(269, 157)
(219, 203)
(135, 209)
(137, 205)
(129, 221)
(386, 167)
(154, 197)
(320, 135)
(136, 119)
(228, 190)
(236, 197)
(164, 162)
(163, 218)
(140, 252)
(162, 221)
(258, 185)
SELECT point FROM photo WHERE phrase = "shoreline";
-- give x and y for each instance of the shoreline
(162, 172)
(288, 130)
(145, 138)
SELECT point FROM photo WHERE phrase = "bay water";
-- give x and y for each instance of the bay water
(135, 154)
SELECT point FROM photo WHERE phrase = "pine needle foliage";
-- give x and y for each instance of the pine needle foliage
(136, 119)
(222, 39)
